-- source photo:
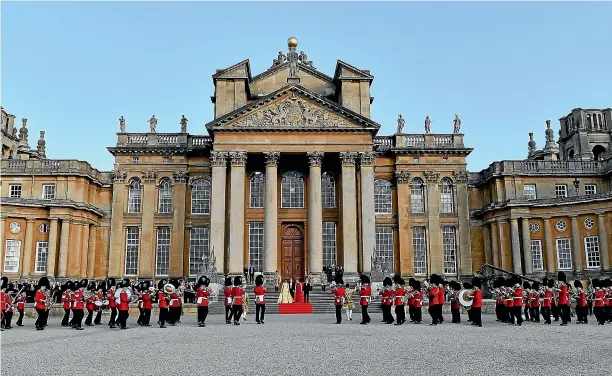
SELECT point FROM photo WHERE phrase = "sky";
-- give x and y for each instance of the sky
(505, 68)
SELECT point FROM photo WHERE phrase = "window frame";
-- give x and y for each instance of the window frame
(330, 243)
(447, 189)
(16, 256)
(135, 197)
(328, 190)
(11, 186)
(44, 194)
(256, 245)
(257, 185)
(557, 190)
(421, 259)
(162, 250)
(597, 251)
(195, 262)
(292, 200)
(40, 266)
(135, 160)
(568, 242)
(383, 200)
(417, 187)
(535, 192)
(387, 254)
(590, 185)
(132, 251)
(536, 244)
(206, 199)
(449, 247)
(164, 196)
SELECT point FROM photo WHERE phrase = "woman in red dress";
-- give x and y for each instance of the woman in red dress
(299, 291)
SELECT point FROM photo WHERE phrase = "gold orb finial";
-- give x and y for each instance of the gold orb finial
(292, 42)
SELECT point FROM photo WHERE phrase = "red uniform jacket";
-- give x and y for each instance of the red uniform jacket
(77, 300)
(433, 296)
(202, 297)
(535, 299)
(146, 301)
(599, 299)
(509, 301)
(365, 294)
(339, 295)
(547, 300)
(110, 296)
(2, 306)
(527, 301)
(399, 296)
(563, 297)
(259, 294)
(477, 296)
(90, 303)
(237, 295)
(518, 298)
(161, 300)
(455, 302)
(21, 303)
(228, 296)
(582, 301)
(174, 300)
(39, 299)
(416, 301)
(411, 301)
(9, 303)
(387, 297)
(441, 298)
(124, 301)
(66, 299)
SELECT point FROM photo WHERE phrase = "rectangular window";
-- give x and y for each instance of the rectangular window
(529, 191)
(419, 245)
(198, 248)
(15, 190)
(162, 252)
(560, 190)
(591, 246)
(135, 159)
(132, 244)
(330, 253)
(590, 189)
(11, 256)
(256, 245)
(257, 190)
(564, 254)
(166, 160)
(417, 201)
(385, 247)
(42, 249)
(449, 243)
(48, 191)
(537, 262)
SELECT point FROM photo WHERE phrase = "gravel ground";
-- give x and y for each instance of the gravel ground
(307, 345)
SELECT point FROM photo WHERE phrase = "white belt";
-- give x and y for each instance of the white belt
(229, 300)
(259, 298)
(202, 298)
(173, 300)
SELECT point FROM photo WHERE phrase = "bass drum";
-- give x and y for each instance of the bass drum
(118, 295)
(462, 298)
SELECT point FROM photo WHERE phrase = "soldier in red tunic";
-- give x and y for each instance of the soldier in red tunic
(40, 303)
(147, 303)
(162, 301)
(66, 302)
(227, 292)
(124, 304)
(100, 294)
(78, 305)
(90, 303)
(441, 300)
(21, 299)
(202, 294)
(582, 308)
(260, 299)
(433, 294)
(476, 303)
(534, 298)
(598, 305)
(365, 294)
(337, 290)
(237, 292)
(417, 300)
(140, 290)
(8, 306)
(547, 302)
(455, 287)
(112, 303)
(3, 300)
(387, 300)
(399, 294)
(526, 300)
(517, 302)
(563, 303)
(174, 311)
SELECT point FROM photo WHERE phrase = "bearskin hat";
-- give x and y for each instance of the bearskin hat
(140, 286)
(91, 286)
(435, 279)
(577, 284)
(396, 279)
(70, 285)
(228, 281)
(4, 282)
(595, 283)
(146, 285)
(454, 285)
(125, 282)
(84, 283)
(561, 277)
(44, 281)
(411, 282)
(607, 282)
(259, 280)
(526, 285)
(387, 282)
(111, 282)
(498, 282)
(161, 284)
(10, 287)
(467, 285)
(237, 280)
(551, 283)
(175, 282)
(535, 285)
(102, 286)
(477, 282)
(364, 279)
(203, 281)
(417, 284)
(545, 282)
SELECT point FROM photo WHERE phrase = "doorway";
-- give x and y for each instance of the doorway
(292, 246)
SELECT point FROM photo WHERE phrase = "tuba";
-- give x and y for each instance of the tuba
(462, 299)
(169, 288)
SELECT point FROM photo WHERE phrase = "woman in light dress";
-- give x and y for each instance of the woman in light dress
(348, 302)
(285, 296)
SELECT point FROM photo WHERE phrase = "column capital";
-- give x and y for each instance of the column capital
(30, 220)
(180, 177)
(546, 219)
(238, 158)
(367, 158)
(460, 177)
(432, 176)
(218, 158)
(402, 176)
(118, 176)
(314, 158)
(272, 158)
(348, 158)
(149, 176)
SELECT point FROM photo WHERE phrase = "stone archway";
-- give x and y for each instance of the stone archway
(598, 152)
(292, 251)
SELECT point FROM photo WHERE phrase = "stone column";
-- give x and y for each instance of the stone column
(527, 246)
(146, 254)
(603, 242)
(406, 250)
(464, 252)
(63, 249)
(549, 247)
(177, 233)
(116, 267)
(436, 253)
(495, 253)
(349, 212)
(83, 249)
(74, 250)
(28, 249)
(217, 207)
(576, 245)
(236, 206)
(91, 255)
(499, 190)
(52, 253)
(502, 245)
(368, 216)
(2, 239)
(516, 247)
(315, 214)
(271, 215)
(486, 241)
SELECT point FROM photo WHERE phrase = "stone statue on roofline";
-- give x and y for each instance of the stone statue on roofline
(456, 124)
(153, 124)
(427, 124)
(400, 124)
(121, 124)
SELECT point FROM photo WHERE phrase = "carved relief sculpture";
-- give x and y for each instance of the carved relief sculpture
(153, 124)
(179, 176)
(272, 158)
(460, 177)
(119, 176)
(402, 176)
(121, 124)
(184, 121)
(149, 176)
(314, 158)
(400, 124)
(456, 124)
(431, 176)
(427, 124)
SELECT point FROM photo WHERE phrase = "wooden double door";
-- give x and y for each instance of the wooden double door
(292, 248)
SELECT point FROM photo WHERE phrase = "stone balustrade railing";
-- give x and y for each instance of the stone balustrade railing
(55, 167)
(418, 141)
(163, 139)
(527, 167)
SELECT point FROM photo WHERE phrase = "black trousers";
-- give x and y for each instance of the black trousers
(163, 316)
(113, 317)
(98, 319)
(411, 313)
(526, 312)
(565, 313)
(456, 315)
(77, 317)
(228, 313)
(433, 312)
(122, 320)
(20, 319)
(439, 312)
(146, 316)
(518, 314)
(175, 315)
(546, 314)
(554, 310)
(590, 304)
(6, 320)
(364, 314)
(89, 317)
(387, 317)
(535, 314)
(510, 315)
(418, 314)
(476, 313)
(260, 312)
(306, 296)
(202, 313)
(600, 315)
(41, 321)
(140, 316)
(237, 312)
(66, 319)
(582, 314)
(338, 313)
(400, 313)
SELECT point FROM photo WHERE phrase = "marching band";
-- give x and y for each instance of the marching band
(516, 300)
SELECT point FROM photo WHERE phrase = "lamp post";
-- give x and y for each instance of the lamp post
(577, 185)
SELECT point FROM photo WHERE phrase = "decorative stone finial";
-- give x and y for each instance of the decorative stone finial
(292, 42)
(531, 144)
(23, 132)
(42, 145)
(400, 124)
(184, 121)
(121, 124)
(153, 123)
(550, 134)
(427, 124)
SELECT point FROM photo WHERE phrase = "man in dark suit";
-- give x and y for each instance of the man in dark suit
(307, 289)
(246, 273)
(251, 273)
(292, 288)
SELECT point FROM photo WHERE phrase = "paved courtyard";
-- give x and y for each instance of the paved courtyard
(308, 345)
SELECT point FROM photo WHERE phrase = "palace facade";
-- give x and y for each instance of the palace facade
(292, 177)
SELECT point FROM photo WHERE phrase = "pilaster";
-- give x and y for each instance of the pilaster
(603, 242)
(28, 248)
(495, 250)
(549, 247)
(116, 253)
(63, 249)
(502, 245)
(217, 207)
(315, 214)
(52, 253)
(406, 252)
(368, 216)
(516, 246)
(236, 240)
(527, 257)
(177, 234)
(576, 245)
(91, 256)
(486, 241)
(464, 250)
(349, 212)
(146, 255)
(271, 214)
(436, 253)
(84, 248)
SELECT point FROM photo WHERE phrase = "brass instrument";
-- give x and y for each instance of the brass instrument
(48, 299)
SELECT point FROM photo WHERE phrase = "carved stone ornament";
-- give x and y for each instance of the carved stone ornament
(293, 112)
(315, 158)
(179, 176)
(153, 124)
(348, 158)
(238, 158)
(4, 120)
(218, 158)
(23, 132)
(367, 158)
(122, 124)
(119, 176)
(41, 147)
(184, 121)
(149, 176)
(432, 176)
(460, 177)
(272, 158)
(402, 176)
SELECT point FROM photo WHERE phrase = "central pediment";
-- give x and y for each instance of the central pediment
(293, 108)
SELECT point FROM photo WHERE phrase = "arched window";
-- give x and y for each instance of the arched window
(599, 152)
(417, 196)
(383, 202)
(292, 190)
(164, 204)
(328, 188)
(257, 189)
(200, 196)
(135, 196)
(446, 196)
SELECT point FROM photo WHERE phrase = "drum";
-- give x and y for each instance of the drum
(99, 303)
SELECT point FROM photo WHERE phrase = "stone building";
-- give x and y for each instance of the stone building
(293, 176)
